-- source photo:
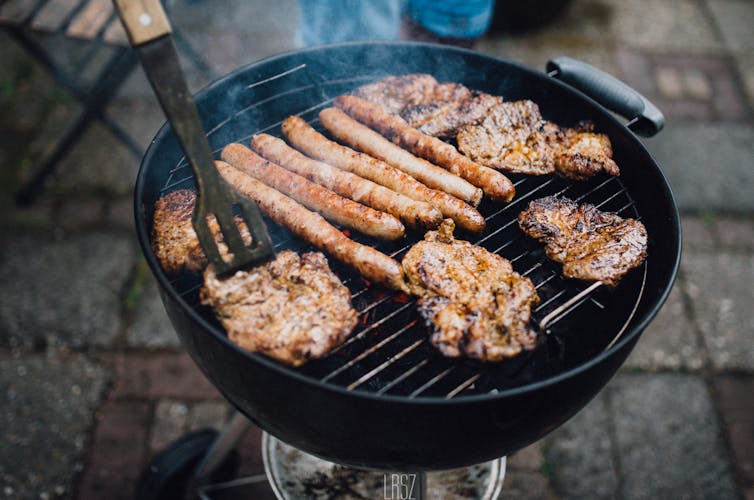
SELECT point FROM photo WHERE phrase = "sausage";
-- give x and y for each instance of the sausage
(304, 138)
(361, 137)
(415, 214)
(314, 229)
(333, 206)
(494, 184)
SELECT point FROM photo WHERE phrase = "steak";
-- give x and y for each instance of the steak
(472, 301)
(174, 240)
(291, 309)
(437, 109)
(515, 138)
(592, 245)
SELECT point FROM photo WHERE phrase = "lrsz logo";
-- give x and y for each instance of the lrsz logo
(399, 486)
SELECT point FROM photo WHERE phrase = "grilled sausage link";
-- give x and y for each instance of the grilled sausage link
(313, 228)
(494, 184)
(415, 214)
(363, 138)
(304, 138)
(333, 206)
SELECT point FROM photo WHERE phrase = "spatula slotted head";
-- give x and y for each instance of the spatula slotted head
(239, 255)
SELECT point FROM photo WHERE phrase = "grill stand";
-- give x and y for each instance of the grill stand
(188, 469)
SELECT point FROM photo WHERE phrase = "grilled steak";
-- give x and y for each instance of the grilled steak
(470, 298)
(580, 153)
(174, 240)
(592, 245)
(291, 309)
(510, 138)
(514, 137)
(437, 109)
(397, 92)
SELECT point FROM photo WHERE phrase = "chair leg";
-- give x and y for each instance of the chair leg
(93, 102)
(28, 192)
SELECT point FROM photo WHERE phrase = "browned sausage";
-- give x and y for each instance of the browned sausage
(494, 184)
(313, 228)
(415, 214)
(363, 138)
(304, 138)
(333, 206)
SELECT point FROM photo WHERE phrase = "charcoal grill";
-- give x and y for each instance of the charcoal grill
(386, 399)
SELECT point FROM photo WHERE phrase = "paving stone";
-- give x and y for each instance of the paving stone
(97, 162)
(529, 459)
(168, 424)
(141, 117)
(669, 82)
(745, 66)
(699, 233)
(160, 375)
(212, 414)
(736, 232)
(66, 291)
(736, 406)
(80, 213)
(670, 342)
(663, 25)
(721, 286)
(579, 455)
(685, 86)
(151, 326)
(668, 438)
(521, 485)
(45, 418)
(118, 453)
(735, 19)
(697, 84)
(683, 152)
(120, 213)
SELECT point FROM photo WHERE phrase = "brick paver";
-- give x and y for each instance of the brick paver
(118, 451)
(160, 375)
(736, 408)
(93, 377)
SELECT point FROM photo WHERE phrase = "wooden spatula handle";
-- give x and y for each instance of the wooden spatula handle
(144, 20)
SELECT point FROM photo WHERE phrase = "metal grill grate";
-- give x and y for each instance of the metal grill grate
(388, 352)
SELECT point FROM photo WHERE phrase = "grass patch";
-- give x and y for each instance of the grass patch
(135, 286)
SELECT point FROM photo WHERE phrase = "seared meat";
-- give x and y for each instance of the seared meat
(291, 309)
(470, 298)
(437, 109)
(514, 137)
(174, 240)
(510, 136)
(580, 153)
(397, 92)
(444, 118)
(510, 139)
(592, 245)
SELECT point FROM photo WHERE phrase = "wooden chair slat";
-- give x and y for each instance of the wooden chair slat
(90, 20)
(51, 16)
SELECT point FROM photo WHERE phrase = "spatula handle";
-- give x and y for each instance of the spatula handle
(144, 20)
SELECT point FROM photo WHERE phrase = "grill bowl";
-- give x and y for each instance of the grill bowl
(386, 400)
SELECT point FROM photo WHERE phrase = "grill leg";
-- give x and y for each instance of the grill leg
(219, 451)
(420, 486)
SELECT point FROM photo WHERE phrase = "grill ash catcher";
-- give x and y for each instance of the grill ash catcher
(385, 400)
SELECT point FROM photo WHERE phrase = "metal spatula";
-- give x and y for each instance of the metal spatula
(149, 33)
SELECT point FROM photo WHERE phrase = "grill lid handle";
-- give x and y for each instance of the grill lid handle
(644, 117)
